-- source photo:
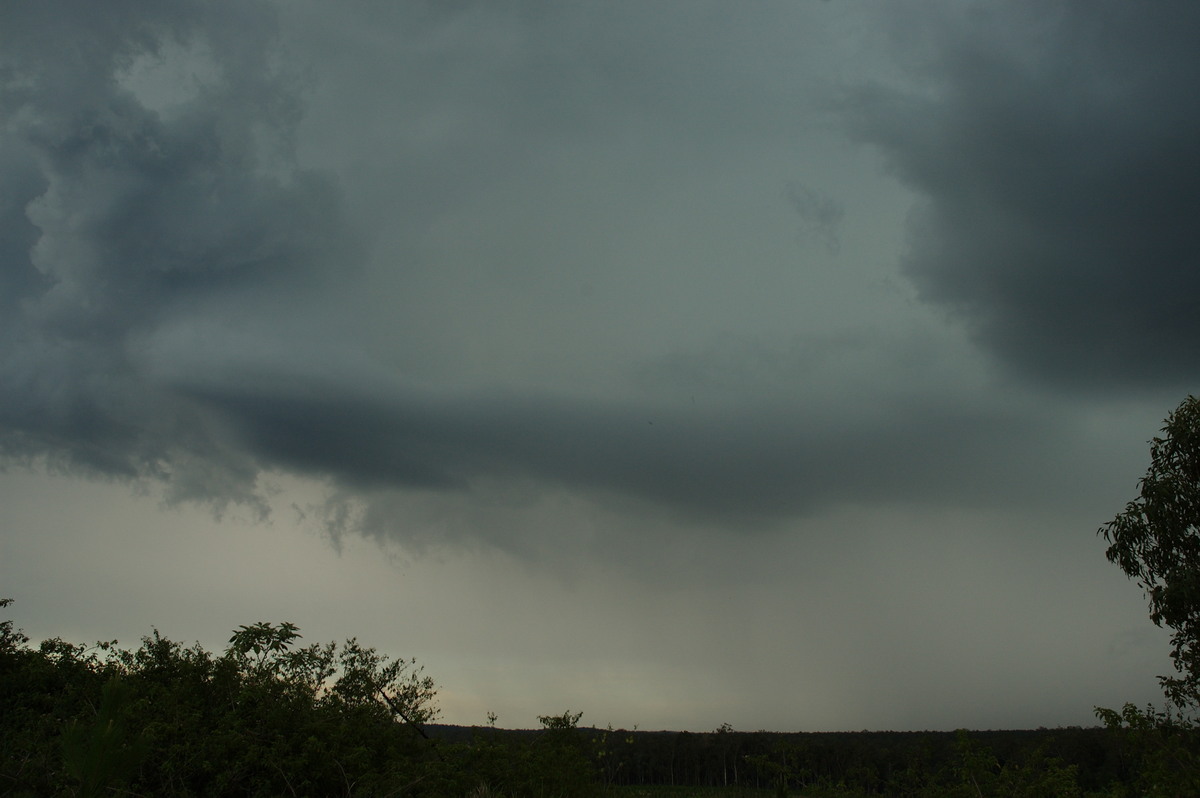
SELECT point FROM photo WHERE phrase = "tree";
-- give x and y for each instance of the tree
(267, 717)
(1156, 540)
(102, 753)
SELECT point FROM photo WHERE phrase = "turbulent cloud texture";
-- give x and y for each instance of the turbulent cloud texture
(135, 197)
(1055, 145)
(189, 303)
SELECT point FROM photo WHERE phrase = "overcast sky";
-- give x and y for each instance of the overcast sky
(679, 363)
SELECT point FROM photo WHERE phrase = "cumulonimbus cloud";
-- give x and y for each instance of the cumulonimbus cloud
(1054, 145)
(162, 244)
(121, 210)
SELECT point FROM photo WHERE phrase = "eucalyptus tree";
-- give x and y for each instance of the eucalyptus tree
(1156, 540)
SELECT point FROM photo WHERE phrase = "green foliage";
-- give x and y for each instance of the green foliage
(1161, 751)
(266, 717)
(1156, 540)
(561, 758)
(980, 773)
(610, 749)
(396, 687)
(562, 725)
(260, 649)
(12, 640)
(103, 754)
(548, 763)
(775, 769)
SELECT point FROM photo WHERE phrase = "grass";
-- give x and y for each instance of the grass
(665, 791)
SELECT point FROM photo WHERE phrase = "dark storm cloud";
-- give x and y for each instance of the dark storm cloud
(1056, 147)
(754, 462)
(121, 209)
(171, 265)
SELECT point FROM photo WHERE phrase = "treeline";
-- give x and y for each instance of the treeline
(272, 717)
(1081, 761)
(267, 717)
(867, 762)
(1049, 762)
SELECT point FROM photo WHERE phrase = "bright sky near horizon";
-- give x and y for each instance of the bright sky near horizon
(680, 363)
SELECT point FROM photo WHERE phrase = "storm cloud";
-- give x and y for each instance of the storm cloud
(160, 209)
(1054, 146)
(149, 178)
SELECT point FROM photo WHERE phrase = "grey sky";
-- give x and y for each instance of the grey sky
(683, 363)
